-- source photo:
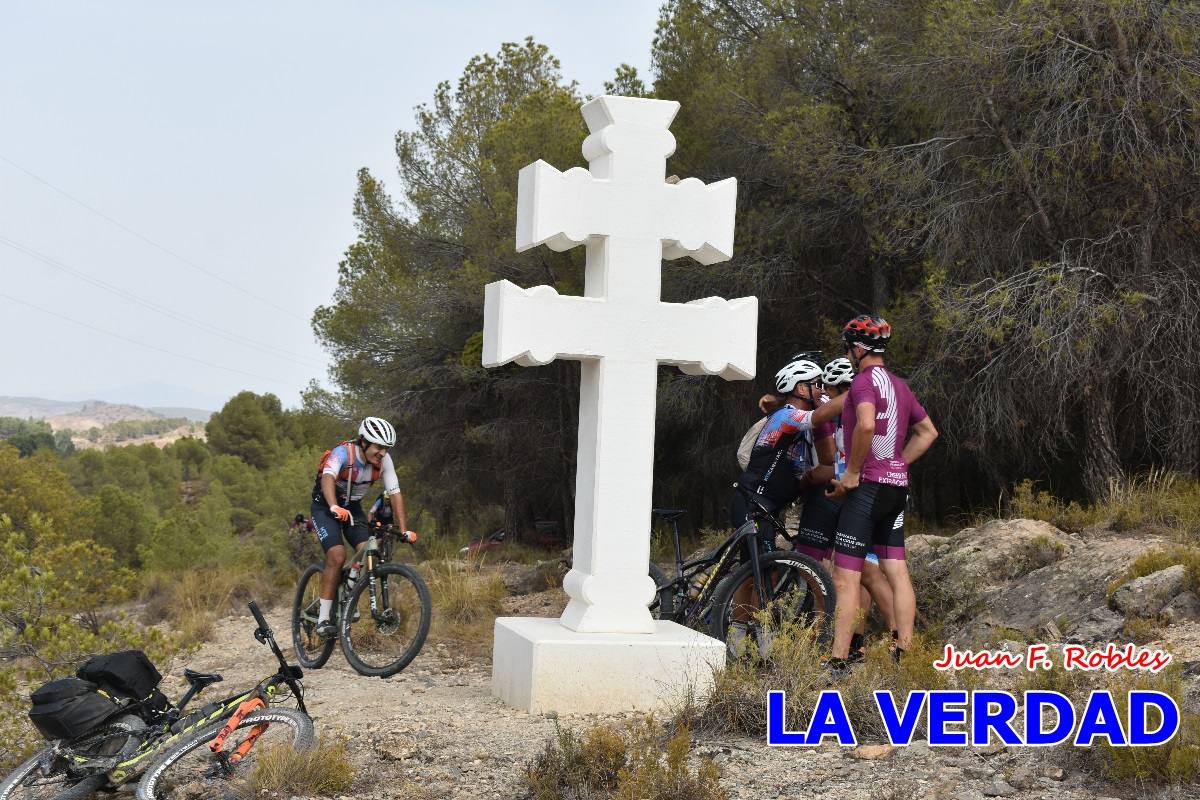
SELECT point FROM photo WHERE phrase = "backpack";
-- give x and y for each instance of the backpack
(747, 444)
(68, 708)
(128, 674)
(346, 473)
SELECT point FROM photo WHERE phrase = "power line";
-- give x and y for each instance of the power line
(269, 349)
(141, 343)
(147, 239)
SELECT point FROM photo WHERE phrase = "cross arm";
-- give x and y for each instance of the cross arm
(563, 209)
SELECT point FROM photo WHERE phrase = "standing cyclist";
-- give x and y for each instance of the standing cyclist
(878, 414)
(343, 478)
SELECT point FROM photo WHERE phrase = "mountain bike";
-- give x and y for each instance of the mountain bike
(745, 587)
(382, 612)
(175, 749)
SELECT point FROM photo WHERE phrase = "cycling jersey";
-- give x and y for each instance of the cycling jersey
(896, 410)
(358, 476)
(782, 454)
(381, 510)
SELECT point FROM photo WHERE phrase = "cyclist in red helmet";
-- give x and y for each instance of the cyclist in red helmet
(880, 411)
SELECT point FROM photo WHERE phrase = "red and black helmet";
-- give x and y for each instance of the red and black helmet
(870, 333)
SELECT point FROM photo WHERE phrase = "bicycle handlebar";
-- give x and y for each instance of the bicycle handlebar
(260, 619)
(289, 673)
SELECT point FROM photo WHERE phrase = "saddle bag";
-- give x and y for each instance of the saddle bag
(129, 674)
(68, 708)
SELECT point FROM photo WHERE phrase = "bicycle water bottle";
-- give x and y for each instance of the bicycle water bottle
(696, 584)
(354, 571)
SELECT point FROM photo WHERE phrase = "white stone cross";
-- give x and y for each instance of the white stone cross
(630, 219)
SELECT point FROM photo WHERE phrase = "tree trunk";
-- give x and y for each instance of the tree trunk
(1101, 461)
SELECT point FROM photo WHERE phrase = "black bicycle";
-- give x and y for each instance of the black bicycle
(210, 749)
(746, 586)
(382, 612)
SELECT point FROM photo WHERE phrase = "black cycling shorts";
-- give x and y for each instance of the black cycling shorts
(330, 529)
(818, 524)
(872, 517)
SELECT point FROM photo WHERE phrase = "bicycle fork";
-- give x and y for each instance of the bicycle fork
(227, 760)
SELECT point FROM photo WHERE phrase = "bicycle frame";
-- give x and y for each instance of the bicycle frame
(718, 562)
(236, 707)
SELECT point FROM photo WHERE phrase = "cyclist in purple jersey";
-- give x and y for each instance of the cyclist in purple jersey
(818, 520)
(880, 411)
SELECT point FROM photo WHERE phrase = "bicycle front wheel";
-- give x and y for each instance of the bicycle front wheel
(312, 651)
(386, 620)
(190, 769)
(798, 589)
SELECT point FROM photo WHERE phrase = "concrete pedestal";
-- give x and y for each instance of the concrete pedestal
(540, 666)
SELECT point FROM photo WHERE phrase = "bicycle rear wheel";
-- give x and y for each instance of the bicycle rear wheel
(312, 651)
(386, 620)
(799, 589)
(56, 776)
(44, 777)
(190, 770)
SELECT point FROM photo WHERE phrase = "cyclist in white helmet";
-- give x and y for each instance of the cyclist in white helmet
(344, 476)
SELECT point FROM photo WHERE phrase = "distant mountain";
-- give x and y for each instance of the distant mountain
(97, 414)
(37, 407)
(80, 415)
(194, 414)
(153, 394)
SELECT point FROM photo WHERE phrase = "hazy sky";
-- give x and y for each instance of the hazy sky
(221, 140)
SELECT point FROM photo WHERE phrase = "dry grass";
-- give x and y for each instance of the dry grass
(281, 771)
(1160, 559)
(466, 601)
(1159, 498)
(193, 601)
(737, 702)
(639, 762)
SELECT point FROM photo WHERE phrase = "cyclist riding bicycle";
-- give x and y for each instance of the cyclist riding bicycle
(381, 512)
(343, 478)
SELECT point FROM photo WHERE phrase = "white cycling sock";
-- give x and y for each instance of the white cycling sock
(326, 608)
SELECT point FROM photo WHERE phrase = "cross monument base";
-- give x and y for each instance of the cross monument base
(540, 666)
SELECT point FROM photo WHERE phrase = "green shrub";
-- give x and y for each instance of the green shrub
(56, 594)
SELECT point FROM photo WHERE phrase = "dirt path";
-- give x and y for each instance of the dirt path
(435, 731)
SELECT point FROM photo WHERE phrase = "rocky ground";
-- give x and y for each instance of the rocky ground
(435, 731)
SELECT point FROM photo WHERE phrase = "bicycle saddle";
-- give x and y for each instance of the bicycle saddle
(669, 514)
(201, 679)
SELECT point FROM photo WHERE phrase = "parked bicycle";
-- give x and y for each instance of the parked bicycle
(743, 577)
(382, 610)
(209, 748)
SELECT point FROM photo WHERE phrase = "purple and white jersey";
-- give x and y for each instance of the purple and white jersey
(896, 410)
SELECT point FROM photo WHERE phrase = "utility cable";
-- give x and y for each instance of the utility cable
(141, 343)
(269, 349)
(147, 239)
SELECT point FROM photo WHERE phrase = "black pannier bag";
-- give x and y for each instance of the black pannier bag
(130, 674)
(68, 708)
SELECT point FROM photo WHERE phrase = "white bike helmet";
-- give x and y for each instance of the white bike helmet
(838, 372)
(378, 431)
(801, 370)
